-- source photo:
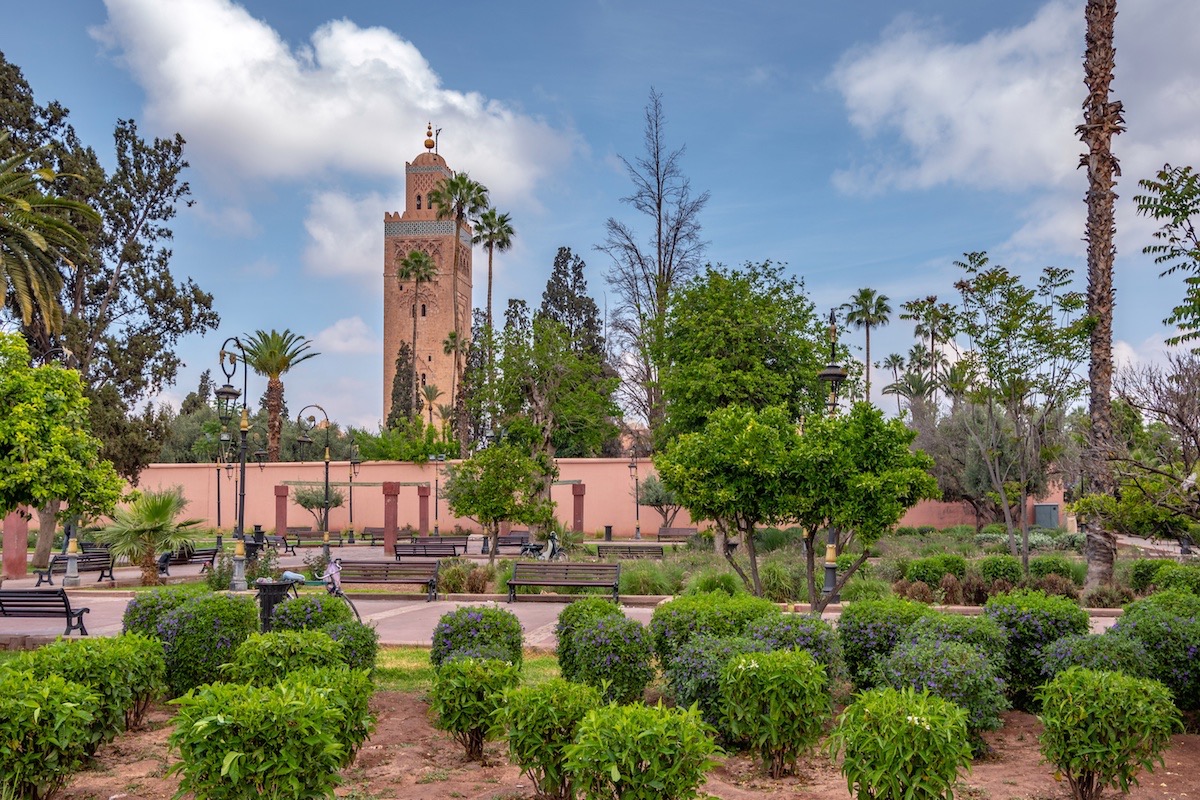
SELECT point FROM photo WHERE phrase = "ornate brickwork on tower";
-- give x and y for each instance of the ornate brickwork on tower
(418, 228)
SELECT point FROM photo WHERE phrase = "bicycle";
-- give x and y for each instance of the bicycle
(333, 585)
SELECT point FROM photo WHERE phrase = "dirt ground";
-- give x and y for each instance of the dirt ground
(407, 758)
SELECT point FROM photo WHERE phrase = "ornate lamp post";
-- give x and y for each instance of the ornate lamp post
(833, 375)
(438, 460)
(637, 499)
(227, 398)
(355, 464)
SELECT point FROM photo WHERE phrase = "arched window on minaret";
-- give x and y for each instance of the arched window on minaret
(422, 309)
(422, 378)
(418, 202)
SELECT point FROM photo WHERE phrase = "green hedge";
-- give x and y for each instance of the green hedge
(715, 614)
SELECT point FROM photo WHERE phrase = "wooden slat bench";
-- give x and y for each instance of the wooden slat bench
(373, 536)
(558, 573)
(95, 561)
(273, 540)
(204, 556)
(300, 537)
(428, 550)
(676, 534)
(421, 573)
(610, 550)
(42, 603)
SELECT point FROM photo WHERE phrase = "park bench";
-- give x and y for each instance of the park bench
(559, 573)
(276, 541)
(42, 603)
(421, 573)
(373, 536)
(299, 537)
(676, 534)
(610, 550)
(204, 556)
(94, 561)
(517, 539)
(430, 549)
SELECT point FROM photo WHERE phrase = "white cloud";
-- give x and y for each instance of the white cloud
(233, 221)
(346, 234)
(352, 100)
(349, 335)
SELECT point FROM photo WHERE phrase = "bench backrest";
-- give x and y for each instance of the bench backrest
(630, 550)
(527, 570)
(432, 549)
(458, 540)
(92, 558)
(15, 601)
(385, 569)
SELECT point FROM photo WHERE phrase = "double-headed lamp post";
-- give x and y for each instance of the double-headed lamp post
(833, 376)
(311, 421)
(637, 499)
(227, 397)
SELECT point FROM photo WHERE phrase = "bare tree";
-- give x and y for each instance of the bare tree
(644, 271)
(1101, 121)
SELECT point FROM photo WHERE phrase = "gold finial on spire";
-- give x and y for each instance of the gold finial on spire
(429, 143)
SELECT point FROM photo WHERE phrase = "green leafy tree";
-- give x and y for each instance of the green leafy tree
(312, 499)
(272, 354)
(1172, 197)
(147, 526)
(868, 309)
(747, 337)
(37, 238)
(401, 407)
(1024, 346)
(653, 493)
(416, 267)
(495, 232)
(647, 269)
(500, 484)
(406, 440)
(855, 475)
(567, 302)
(46, 452)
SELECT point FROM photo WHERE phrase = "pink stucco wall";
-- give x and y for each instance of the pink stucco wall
(608, 498)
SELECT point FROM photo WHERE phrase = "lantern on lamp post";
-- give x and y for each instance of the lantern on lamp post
(832, 376)
(227, 400)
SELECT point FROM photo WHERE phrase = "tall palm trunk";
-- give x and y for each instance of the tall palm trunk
(274, 418)
(416, 375)
(491, 252)
(1101, 121)
(867, 328)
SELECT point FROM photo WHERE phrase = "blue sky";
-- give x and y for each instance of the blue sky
(865, 143)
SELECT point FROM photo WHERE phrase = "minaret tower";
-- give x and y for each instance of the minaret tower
(418, 228)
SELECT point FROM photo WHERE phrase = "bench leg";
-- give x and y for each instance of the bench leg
(78, 624)
(512, 593)
(44, 577)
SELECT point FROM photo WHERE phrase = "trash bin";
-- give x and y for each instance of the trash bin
(270, 594)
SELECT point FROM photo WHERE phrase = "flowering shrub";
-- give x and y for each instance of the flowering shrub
(1100, 729)
(201, 635)
(694, 674)
(1033, 620)
(953, 671)
(1000, 567)
(982, 633)
(640, 753)
(144, 611)
(901, 745)
(1107, 653)
(870, 629)
(466, 694)
(541, 721)
(264, 658)
(776, 702)
(716, 614)
(359, 641)
(576, 616)
(477, 631)
(1171, 637)
(309, 611)
(614, 655)
(801, 632)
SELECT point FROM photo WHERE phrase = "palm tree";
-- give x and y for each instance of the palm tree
(458, 198)
(866, 309)
(1102, 120)
(148, 526)
(934, 321)
(35, 236)
(445, 412)
(494, 231)
(450, 346)
(271, 355)
(431, 394)
(416, 266)
(894, 362)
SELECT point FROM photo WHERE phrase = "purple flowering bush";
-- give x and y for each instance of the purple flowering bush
(1032, 620)
(576, 616)
(477, 632)
(1167, 625)
(146, 609)
(694, 675)
(982, 633)
(716, 614)
(801, 632)
(201, 635)
(1103, 652)
(614, 655)
(954, 671)
(869, 629)
(359, 641)
(309, 612)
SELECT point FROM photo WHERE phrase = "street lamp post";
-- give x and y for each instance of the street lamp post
(637, 499)
(227, 397)
(438, 460)
(833, 375)
(312, 423)
(355, 464)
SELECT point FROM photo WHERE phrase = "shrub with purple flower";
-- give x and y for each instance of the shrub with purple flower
(146, 609)
(1033, 620)
(360, 643)
(1104, 653)
(801, 632)
(1171, 636)
(479, 631)
(201, 635)
(981, 632)
(694, 674)
(716, 614)
(309, 612)
(954, 671)
(869, 629)
(576, 616)
(614, 655)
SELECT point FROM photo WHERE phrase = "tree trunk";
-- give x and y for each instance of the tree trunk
(47, 525)
(416, 375)
(149, 565)
(1101, 121)
(274, 418)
